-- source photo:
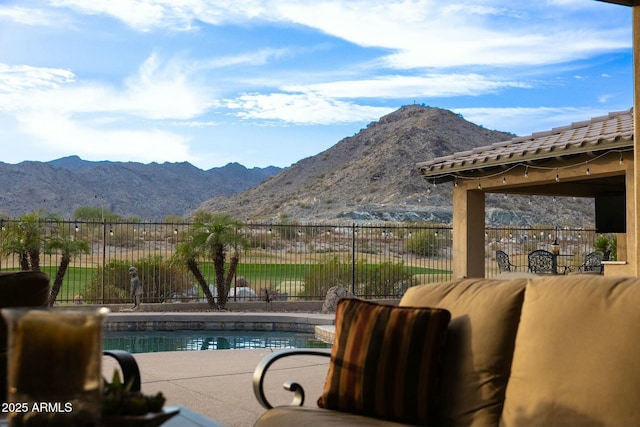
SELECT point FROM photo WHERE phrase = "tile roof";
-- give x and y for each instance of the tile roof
(614, 131)
(621, 2)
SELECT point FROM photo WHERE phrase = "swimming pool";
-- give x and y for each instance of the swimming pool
(155, 341)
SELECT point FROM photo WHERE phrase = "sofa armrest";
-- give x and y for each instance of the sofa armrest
(261, 370)
(129, 366)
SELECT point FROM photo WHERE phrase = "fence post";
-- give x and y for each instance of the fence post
(353, 259)
(104, 254)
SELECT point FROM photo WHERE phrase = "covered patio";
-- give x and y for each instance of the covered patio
(594, 158)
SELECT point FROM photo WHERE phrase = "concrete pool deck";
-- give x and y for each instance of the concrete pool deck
(218, 383)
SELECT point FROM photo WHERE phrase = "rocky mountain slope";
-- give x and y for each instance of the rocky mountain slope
(147, 191)
(371, 177)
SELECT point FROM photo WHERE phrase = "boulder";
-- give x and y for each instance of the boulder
(335, 294)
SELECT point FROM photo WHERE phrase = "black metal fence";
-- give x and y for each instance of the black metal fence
(289, 261)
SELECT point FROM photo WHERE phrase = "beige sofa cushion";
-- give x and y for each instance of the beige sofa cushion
(481, 335)
(577, 354)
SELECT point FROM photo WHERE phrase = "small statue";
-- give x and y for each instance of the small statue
(136, 288)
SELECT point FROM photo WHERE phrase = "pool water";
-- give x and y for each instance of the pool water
(154, 341)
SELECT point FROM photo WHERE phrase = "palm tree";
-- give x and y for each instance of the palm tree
(70, 247)
(13, 244)
(188, 252)
(211, 236)
(24, 238)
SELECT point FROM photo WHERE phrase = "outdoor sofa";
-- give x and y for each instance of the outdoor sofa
(517, 351)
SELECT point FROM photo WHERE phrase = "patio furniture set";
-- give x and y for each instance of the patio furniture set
(541, 261)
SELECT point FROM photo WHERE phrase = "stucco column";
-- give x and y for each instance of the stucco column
(468, 232)
(633, 247)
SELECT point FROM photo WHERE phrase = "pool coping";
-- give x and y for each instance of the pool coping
(202, 321)
(325, 333)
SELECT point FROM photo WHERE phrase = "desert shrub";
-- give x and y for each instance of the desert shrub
(384, 279)
(423, 243)
(371, 280)
(116, 284)
(160, 281)
(328, 272)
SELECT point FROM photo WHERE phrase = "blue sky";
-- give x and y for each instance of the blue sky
(271, 82)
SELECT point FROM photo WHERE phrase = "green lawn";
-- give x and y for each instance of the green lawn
(277, 273)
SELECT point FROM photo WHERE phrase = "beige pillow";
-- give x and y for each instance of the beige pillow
(577, 354)
(480, 341)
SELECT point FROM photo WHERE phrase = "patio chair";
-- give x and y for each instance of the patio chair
(504, 264)
(592, 262)
(543, 262)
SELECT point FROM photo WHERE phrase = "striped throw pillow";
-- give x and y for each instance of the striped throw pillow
(385, 361)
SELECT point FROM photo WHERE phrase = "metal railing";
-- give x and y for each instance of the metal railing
(287, 261)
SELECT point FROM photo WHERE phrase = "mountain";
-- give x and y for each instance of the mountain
(372, 177)
(368, 177)
(148, 191)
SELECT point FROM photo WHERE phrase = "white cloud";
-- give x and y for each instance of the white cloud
(433, 34)
(259, 57)
(20, 77)
(32, 16)
(139, 14)
(418, 33)
(433, 85)
(161, 92)
(603, 99)
(96, 120)
(526, 121)
(158, 91)
(303, 108)
(196, 124)
(145, 15)
(325, 103)
(54, 131)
